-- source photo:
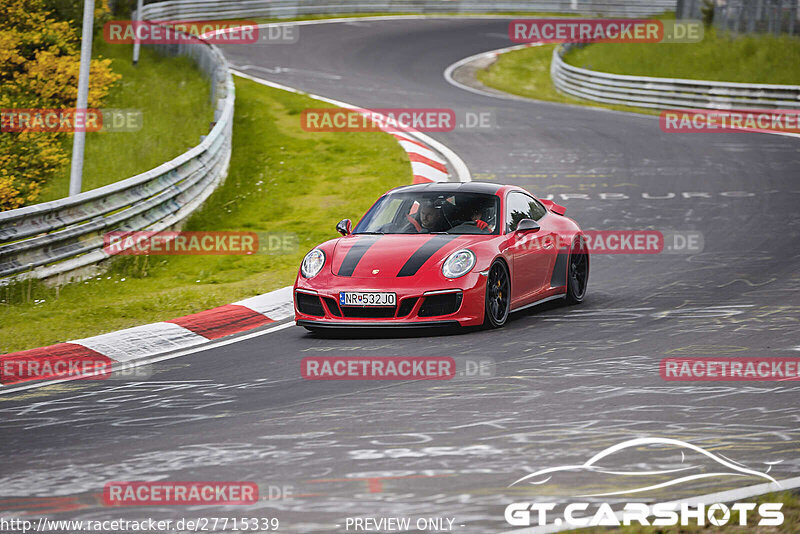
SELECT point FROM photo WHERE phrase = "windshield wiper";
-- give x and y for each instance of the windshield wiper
(369, 233)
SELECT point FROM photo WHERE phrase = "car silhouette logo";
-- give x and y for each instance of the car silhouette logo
(685, 472)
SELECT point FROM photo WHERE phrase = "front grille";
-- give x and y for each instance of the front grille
(443, 304)
(406, 306)
(309, 304)
(333, 306)
(378, 312)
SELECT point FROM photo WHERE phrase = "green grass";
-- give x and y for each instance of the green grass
(790, 510)
(281, 178)
(526, 72)
(720, 57)
(174, 98)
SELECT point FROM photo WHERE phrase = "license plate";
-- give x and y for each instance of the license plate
(357, 298)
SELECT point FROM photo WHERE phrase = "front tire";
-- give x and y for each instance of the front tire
(498, 296)
(578, 272)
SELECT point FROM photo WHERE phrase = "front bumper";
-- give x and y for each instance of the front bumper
(422, 313)
(377, 325)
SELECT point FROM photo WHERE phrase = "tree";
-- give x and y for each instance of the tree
(39, 62)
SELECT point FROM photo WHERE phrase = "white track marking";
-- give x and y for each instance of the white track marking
(411, 147)
(426, 171)
(141, 341)
(144, 361)
(276, 304)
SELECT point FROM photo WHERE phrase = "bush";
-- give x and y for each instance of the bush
(39, 63)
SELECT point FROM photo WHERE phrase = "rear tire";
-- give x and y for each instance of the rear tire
(577, 272)
(498, 296)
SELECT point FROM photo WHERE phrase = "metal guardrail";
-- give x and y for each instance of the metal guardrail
(64, 236)
(667, 93)
(222, 9)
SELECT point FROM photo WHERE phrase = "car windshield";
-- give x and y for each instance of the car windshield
(426, 213)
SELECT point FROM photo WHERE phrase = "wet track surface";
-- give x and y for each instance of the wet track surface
(569, 381)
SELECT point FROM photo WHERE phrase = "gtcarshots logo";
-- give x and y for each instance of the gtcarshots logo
(609, 466)
(660, 514)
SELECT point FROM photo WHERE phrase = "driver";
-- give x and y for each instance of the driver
(479, 222)
(429, 218)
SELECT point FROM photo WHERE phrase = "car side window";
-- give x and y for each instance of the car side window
(521, 206)
(537, 210)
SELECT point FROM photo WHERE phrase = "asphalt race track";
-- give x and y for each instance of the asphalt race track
(569, 381)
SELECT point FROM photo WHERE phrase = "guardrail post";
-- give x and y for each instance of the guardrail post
(79, 136)
(136, 42)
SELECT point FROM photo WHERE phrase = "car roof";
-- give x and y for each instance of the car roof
(451, 187)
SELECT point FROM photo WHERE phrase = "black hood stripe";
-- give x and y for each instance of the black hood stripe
(424, 253)
(355, 254)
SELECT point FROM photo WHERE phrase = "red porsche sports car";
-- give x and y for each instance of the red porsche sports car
(443, 254)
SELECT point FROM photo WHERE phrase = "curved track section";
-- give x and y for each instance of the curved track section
(570, 381)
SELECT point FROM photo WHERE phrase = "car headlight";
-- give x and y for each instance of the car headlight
(312, 263)
(458, 263)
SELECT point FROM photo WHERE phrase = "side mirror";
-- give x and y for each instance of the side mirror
(528, 225)
(345, 227)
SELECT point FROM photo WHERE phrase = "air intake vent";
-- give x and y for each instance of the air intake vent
(406, 306)
(443, 304)
(333, 306)
(309, 304)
